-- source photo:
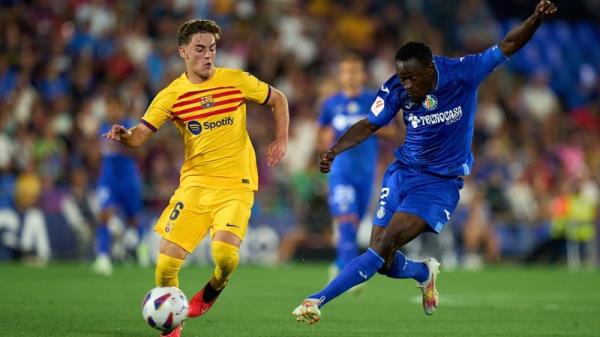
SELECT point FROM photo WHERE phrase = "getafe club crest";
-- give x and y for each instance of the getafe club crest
(352, 107)
(380, 213)
(430, 102)
(207, 102)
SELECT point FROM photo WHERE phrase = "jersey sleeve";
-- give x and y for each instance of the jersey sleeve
(159, 110)
(475, 68)
(386, 104)
(254, 89)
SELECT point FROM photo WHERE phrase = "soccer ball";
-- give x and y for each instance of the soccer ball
(165, 308)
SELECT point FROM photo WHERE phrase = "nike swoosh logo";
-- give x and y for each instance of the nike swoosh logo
(384, 89)
(362, 274)
(230, 225)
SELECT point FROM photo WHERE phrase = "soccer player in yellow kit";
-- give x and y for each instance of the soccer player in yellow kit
(218, 178)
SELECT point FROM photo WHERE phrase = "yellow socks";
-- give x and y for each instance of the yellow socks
(167, 271)
(226, 258)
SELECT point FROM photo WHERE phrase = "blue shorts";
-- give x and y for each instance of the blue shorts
(126, 196)
(349, 197)
(432, 198)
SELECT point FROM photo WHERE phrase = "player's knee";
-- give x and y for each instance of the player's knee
(225, 256)
(105, 215)
(347, 232)
(167, 270)
(385, 247)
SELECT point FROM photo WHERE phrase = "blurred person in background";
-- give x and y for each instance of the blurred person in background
(353, 173)
(479, 234)
(119, 189)
(207, 104)
(79, 209)
(33, 244)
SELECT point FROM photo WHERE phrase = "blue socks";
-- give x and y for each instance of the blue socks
(406, 268)
(347, 249)
(102, 240)
(356, 272)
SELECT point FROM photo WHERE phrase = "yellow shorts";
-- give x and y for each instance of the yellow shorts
(193, 210)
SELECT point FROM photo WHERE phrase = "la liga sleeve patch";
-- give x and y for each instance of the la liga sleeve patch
(377, 106)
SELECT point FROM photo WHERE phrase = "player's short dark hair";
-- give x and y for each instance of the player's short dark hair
(351, 57)
(191, 27)
(416, 50)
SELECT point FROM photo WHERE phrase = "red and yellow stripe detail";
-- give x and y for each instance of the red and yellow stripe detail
(193, 104)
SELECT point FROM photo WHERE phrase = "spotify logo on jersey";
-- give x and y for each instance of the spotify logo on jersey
(194, 127)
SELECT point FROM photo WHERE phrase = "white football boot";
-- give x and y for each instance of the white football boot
(308, 311)
(102, 265)
(430, 294)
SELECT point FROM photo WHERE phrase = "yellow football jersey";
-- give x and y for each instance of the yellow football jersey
(211, 117)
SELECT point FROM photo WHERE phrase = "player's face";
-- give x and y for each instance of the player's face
(351, 74)
(114, 111)
(416, 79)
(199, 55)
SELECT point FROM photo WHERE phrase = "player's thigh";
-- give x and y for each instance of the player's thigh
(129, 198)
(104, 196)
(389, 198)
(183, 222)
(433, 201)
(363, 197)
(401, 229)
(343, 200)
(231, 212)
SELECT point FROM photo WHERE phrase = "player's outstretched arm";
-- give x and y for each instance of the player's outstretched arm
(279, 104)
(355, 135)
(519, 36)
(133, 137)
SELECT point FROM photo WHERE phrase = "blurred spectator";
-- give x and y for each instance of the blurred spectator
(34, 243)
(479, 234)
(79, 211)
(539, 100)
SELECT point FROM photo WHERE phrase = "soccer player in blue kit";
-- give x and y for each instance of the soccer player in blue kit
(420, 190)
(352, 175)
(119, 188)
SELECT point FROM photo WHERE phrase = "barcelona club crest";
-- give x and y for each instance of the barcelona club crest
(194, 127)
(430, 102)
(207, 102)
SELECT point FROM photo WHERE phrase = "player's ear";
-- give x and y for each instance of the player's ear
(182, 53)
(431, 69)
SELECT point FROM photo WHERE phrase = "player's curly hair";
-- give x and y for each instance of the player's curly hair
(191, 27)
(416, 50)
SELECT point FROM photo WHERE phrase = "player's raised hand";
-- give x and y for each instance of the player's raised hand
(545, 9)
(325, 160)
(117, 133)
(275, 151)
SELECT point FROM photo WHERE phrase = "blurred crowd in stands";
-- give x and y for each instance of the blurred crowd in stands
(64, 63)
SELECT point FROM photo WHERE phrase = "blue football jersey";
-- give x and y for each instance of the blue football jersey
(439, 131)
(341, 112)
(115, 163)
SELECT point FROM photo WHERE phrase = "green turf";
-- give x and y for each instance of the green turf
(67, 300)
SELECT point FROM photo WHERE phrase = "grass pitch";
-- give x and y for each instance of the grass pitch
(67, 300)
